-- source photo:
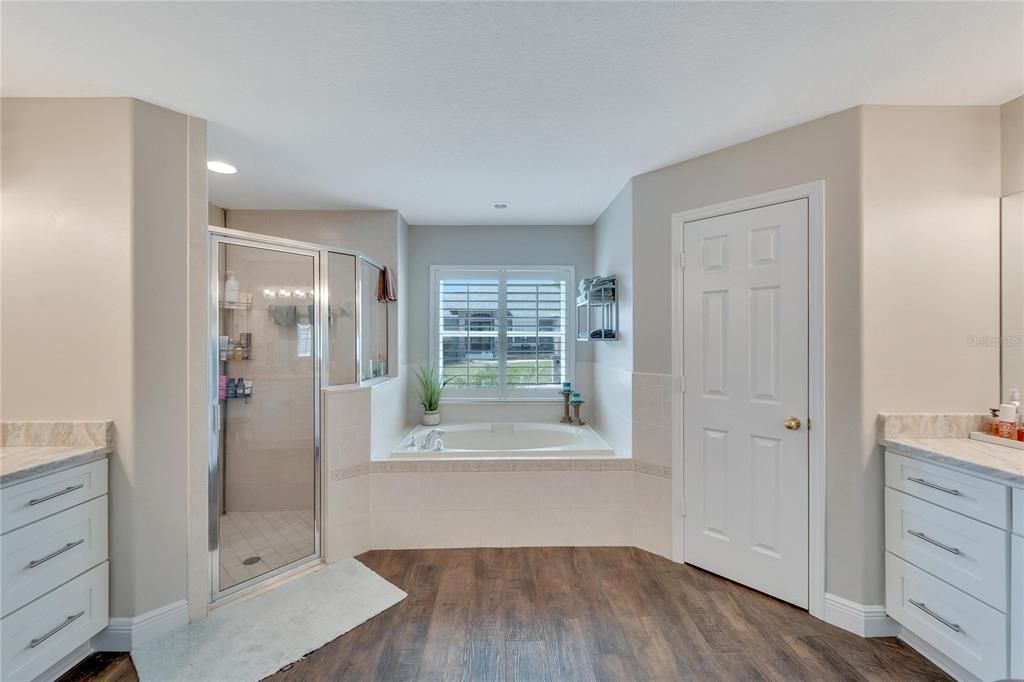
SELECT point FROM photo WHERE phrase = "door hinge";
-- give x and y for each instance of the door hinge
(682, 259)
(681, 384)
(682, 508)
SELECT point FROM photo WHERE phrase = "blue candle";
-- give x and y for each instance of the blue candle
(566, 386)
(576, 397)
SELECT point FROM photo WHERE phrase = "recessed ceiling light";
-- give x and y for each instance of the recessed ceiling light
(221, 167)
(501, 204)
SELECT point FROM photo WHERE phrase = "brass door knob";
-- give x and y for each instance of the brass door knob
(792, 423)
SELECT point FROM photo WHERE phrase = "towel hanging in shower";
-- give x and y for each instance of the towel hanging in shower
(386, 291)
(282, 314)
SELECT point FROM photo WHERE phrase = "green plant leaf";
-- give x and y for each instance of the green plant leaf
(429, 387)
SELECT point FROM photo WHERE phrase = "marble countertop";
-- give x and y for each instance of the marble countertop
(976, 456)
(22, 462)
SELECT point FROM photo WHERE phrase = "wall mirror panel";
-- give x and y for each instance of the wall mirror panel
(1012, 300)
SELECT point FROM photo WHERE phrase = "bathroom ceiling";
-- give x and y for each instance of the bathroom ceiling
(441, 109)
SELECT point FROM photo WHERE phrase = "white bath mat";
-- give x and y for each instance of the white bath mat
(254, 638)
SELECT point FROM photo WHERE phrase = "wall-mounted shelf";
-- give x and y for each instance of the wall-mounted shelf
(597, 309)
(244, 302)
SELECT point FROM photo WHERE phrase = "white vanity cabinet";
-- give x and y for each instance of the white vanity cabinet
(954, 563)
(53, 567)
(1017, 587)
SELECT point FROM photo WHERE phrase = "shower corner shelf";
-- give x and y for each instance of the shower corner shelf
(244, 302)
(597, 309)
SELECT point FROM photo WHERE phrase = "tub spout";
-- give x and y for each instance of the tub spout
(427, 440)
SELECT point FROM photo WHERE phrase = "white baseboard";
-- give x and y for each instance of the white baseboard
(124, 634)
(948, 666)
(67, 663)
(860, 619)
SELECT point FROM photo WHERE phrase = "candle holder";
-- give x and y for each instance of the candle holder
(576, 401)
(566, 419)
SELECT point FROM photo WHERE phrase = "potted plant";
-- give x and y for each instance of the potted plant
(430, 388)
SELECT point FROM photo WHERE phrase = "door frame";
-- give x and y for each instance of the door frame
(814, 192)
(217, 237)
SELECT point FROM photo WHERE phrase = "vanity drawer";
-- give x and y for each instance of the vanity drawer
(969, 632)
(32, 500)
(40, 634)
(41, 556)
(966, 553)
(962, 493)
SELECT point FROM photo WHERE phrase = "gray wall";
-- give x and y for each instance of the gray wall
(488, 245)
(613, 255)
(910, 197)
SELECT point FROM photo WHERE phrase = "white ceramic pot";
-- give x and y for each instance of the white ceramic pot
(432, 418)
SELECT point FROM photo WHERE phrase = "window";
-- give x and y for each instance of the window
(502, 333)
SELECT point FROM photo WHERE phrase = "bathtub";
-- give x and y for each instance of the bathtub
(515, 440)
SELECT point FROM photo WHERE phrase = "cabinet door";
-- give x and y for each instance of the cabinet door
(1017, 607)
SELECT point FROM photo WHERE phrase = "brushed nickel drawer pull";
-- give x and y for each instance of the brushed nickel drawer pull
(921, 481)
(952, 626)
(69, 489)
(922, 536)
(67, 621)
(65, 548)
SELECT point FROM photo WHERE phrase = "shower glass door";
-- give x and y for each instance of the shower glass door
(264, 481)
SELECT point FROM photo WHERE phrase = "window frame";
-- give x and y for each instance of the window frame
(502, 392)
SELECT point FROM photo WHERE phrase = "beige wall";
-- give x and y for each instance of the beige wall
(930, 281)
(1012, 125)
(375, 233)
(96, 197)
(216, 215)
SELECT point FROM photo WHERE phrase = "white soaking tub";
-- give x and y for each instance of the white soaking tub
(512, 440)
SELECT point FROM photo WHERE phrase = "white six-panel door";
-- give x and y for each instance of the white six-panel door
(746, 368)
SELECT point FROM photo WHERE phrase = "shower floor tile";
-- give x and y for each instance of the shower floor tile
(276, 537)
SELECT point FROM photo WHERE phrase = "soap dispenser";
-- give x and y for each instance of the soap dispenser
(1007, 421)
(231, 288)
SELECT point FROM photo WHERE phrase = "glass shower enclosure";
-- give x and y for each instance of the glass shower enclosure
(287, 319)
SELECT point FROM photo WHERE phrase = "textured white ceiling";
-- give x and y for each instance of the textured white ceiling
(438, 109)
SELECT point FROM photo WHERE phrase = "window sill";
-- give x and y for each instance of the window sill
(498, 401)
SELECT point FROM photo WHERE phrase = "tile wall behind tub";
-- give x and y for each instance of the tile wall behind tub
(612, 408)
(418, 509)
(387, 417)
(652, 454)
(347, 446)
(652, 419)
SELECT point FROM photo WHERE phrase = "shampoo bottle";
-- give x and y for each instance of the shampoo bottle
(231, 288)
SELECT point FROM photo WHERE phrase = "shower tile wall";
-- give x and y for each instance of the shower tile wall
(269, 464)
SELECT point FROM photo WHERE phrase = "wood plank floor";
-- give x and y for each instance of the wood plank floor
(570, 613)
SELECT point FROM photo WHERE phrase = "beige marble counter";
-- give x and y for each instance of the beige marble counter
(21, 462)
(995, 461)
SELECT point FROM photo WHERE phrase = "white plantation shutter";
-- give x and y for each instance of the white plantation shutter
(535, 338)
(468, 327)
(502, 332)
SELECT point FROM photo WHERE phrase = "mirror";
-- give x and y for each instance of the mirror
(1012, 299)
